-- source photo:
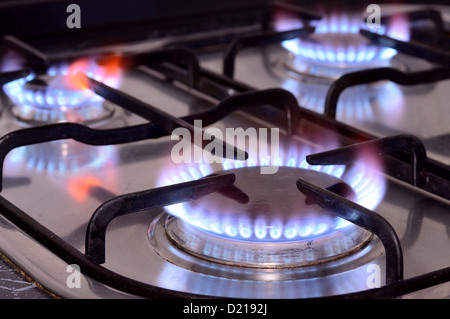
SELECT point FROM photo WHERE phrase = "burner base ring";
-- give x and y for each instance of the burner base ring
(268, 255)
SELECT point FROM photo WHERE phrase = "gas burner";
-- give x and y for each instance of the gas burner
(55, 97)
(263, 222)
(363, 177)
(336, 47)
(183, 271)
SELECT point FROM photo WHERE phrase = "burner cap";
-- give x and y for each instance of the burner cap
(51, 99)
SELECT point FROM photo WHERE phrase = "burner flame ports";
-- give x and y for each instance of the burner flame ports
(61, 96)
(337, 47)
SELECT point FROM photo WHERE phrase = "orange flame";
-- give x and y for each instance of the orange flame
(75, 81)
(108, 71)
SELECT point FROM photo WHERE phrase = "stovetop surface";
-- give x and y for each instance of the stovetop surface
(54, 189)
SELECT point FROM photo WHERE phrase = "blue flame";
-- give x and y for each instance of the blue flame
(61, 157)
(59, 101)
(337, 41)
(367, 183)
(51, 98)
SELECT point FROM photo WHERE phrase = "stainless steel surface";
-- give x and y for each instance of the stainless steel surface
(54, 191)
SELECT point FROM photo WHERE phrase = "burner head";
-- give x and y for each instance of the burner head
(266, 219)
(343, 50)
(50, 99)
(56, 97)
(262, 208)
(336, 47)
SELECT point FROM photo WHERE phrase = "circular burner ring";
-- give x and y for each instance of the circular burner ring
(50, 99)
(231, 207)
(265, 255)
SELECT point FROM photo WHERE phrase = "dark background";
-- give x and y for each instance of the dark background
(106, 22)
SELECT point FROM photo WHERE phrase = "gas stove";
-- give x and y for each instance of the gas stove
(267, 150)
